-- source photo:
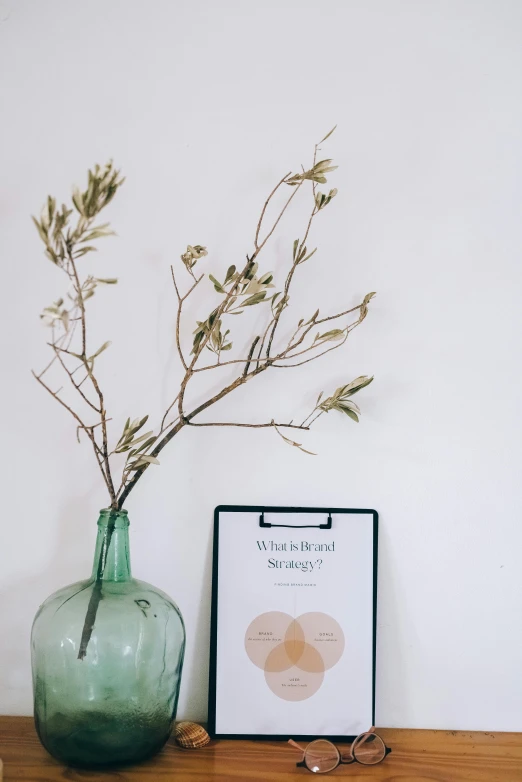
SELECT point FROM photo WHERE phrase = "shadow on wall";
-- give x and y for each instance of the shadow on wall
(194, 682)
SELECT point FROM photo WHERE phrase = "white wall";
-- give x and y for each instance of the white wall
(204, 105)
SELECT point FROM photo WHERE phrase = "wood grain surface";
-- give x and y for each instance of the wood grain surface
(417, 756)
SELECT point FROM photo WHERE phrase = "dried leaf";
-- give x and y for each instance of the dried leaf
(356, 385)
(327, 135)
(84, 250)
(256, 299)
(350, 413)
(142, 438)
(305, 258)
(77, 200)
(292, 442)
(323, 167)
(148, 460)
(100, 350)
(41, 230)
(230, 273)
(330, 336)
(217, 285)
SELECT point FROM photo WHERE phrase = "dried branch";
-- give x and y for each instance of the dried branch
(251, 426)
(65, 245)
(89, 369)
(70, 375)
(178, 322)
(87, 429)
(251, 353)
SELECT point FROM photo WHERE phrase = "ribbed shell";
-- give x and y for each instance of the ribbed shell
(190, 735)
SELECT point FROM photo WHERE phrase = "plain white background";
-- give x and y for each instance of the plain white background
(204, 105)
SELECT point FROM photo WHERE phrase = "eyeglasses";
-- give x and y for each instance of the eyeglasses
(321, 756)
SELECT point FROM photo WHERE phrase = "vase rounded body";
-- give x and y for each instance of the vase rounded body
(107, 656)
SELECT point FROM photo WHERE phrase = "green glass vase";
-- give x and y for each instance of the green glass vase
(107, 655)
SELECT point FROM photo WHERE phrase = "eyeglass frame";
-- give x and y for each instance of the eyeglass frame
(342, 761)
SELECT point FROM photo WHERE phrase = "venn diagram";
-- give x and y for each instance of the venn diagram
(294, 653)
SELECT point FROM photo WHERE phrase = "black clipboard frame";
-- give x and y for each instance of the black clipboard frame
(262, 509)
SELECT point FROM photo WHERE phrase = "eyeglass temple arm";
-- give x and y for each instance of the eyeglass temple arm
(367, 734)
(349, 755)
(372, 730)
(296, 746)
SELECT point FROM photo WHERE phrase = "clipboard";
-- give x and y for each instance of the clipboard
(293, 622)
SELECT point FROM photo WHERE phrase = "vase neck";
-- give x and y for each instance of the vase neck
(112, 553)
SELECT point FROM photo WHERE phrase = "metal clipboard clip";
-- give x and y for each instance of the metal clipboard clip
(266, 524)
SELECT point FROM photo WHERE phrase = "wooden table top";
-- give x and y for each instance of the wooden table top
(417, 756)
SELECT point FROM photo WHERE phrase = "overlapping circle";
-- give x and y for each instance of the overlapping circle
(294, 653)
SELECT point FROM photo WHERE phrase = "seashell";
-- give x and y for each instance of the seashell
(190, 735)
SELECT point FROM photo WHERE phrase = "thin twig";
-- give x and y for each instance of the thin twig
(94, 382)
(71, 378)
(178, 321)
(80, 423)
(312, 358)
(276, 188)
(269, 234)
(250, 426)
(169, 408)
(250, 354)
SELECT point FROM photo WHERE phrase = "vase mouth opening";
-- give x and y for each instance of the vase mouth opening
(120, 517)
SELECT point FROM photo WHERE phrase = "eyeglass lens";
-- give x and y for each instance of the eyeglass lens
(321, 756)
(369, 749)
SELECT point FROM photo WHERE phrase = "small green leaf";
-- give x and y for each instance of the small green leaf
(100, 350)
(251, 271)
(323, 167)
(327, 135)
(302, 260)
(84, 250)
(144, 445)
(230, 273)
(149, 459)
(77, 200)
(41, 230)
(356, 385)
(217, 285)
(350, 413)
(255, 299)
(97, 234)
(330, 336)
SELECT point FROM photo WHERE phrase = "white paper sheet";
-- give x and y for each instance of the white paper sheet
(294, 651)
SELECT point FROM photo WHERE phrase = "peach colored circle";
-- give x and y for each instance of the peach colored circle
(294, 642)
(264, 634)
(302, 656)
(324, 634)
(294, 684)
